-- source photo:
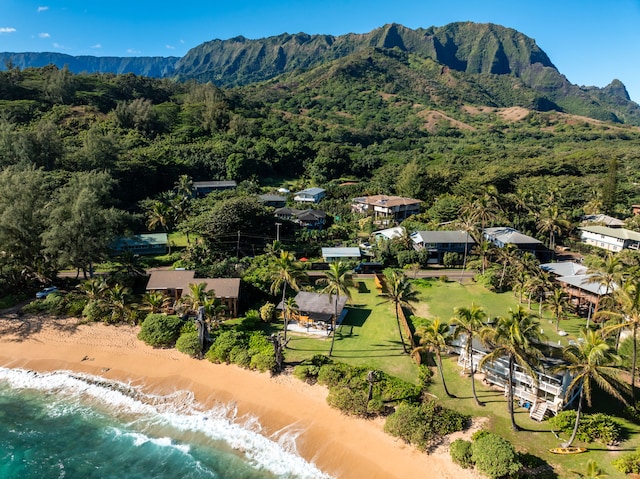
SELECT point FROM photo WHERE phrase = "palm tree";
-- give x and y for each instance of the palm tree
(517, 337)
(591, 361)
(557, 303)
(468, 225)
(435, 337)
(159, 214)
(117, 298)
(285, 270)
(338, 281)
(508, 255)
(468, 322)
(289, 308)
(627, 311)
(400, 292)
(155, 301)
(552, 221)
(196, 296)
(592, 471)
(607, 272)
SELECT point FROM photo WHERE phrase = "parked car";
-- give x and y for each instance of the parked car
(46, 292)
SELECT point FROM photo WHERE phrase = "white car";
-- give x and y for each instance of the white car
(46, 292)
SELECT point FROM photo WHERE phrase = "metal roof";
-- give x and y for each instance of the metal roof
(344, 252)
(428, 237)
(565, 268)
(619, 233)
(506, 235)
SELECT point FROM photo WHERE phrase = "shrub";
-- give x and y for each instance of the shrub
(309, 369)
(351, 402)
(267, 312)
(189, 343)
(251, 321)
(478, 434)
(424, 425)
(96, 311)
(629, 463)
(263, 361)
(160, 330)
(396, 389)
(336, 374)
(240, 355)
(220, 350)
(593, 427)
(494, 456)
(460, 451)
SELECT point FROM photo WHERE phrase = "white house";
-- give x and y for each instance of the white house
(610, 239)
(437, 243)
(341, 254)
(310, 195)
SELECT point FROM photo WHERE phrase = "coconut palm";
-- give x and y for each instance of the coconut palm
(400, 292)
(285, 270)
(516, 337)
(435, 337)
(155, 301)
(289, 309)
(468, 322)
(557, 303)
(338, 281)
(117, 298)
(592, 471)
(159, 214)
(607, 272)
(552, 221)
(591, 361)
(626, 308)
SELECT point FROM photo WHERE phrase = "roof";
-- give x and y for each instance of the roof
(180, 279)
(320, 306)
(506, 235)
(151, 239)
(387, 201)
(310, 215)
(215, 184)
(346, 252)
(619, 233)
(270, 197)
(565, 268)
(390, 233)
(428, 237)
(583, 281)
(311, 191)
(605, 220)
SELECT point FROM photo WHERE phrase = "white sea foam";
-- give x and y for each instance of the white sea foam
(179, 410)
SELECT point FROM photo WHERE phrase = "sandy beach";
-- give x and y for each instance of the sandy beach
(344, 447)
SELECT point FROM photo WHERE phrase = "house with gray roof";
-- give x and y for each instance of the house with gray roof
(610, 239)
(396, 207)
(317, 309)
(331, 255)
(438, 243)
(603, 220)
(310, 195)
(203, 188)
(146, 243)
(502, 236)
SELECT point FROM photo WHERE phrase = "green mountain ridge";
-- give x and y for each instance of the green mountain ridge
(487, 59)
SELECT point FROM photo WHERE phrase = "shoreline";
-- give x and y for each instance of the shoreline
(339, 445)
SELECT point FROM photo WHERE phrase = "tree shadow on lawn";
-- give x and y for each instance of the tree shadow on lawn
(356, 317)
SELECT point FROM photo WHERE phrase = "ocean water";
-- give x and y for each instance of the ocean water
(70, 425)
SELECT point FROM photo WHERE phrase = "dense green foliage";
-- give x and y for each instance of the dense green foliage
(160, 330)
(494, 456)
(189, 343)
(597, 427)
(424, 425)
(246, 349)
(628, 463)
(461, 453)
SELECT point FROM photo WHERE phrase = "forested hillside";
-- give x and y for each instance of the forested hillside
(384, 119)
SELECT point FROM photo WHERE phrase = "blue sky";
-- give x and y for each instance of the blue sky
(591, 42)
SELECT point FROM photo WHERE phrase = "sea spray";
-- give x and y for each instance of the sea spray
(171, 422)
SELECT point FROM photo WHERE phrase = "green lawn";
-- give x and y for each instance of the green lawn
(370, 337)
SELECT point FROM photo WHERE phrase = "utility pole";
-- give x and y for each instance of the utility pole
(238, 246)
(278, 231)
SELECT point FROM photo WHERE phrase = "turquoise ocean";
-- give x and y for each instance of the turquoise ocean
(70, 425)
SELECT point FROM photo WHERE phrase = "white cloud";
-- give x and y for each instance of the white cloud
(131, 50)
(57, 45)
(170, 47)
(44, 35)
(42, 9)
(97, 45)
(7, 29)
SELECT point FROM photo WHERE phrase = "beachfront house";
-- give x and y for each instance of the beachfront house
(549, 395)
(610, 239)
(584, 293)
(275, 201)
(315, 311)
(175, 284)
(438, 243)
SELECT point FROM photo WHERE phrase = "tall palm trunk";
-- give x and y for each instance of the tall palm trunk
(514, 426)
(334, 321)
(284, 311)
(575, 426)
(404, 346)
(444, 383)
(633, 365)
(473, 382)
